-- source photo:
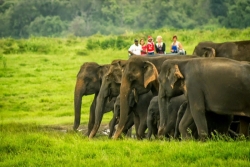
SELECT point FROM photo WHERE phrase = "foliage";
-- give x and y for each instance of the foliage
(57, 18)
(82, 46)
(46, 26)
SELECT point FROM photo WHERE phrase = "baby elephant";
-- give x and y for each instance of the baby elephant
(116, 117)
(153, 117)
(137, 114)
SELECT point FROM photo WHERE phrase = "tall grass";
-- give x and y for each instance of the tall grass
(37, 79)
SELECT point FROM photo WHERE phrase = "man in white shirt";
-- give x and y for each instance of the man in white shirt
(135, 49)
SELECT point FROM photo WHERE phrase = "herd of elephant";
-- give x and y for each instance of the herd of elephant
(170, 95)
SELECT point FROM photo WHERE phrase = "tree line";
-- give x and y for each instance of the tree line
(58, 18)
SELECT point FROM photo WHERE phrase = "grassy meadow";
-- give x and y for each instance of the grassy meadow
(37, 80)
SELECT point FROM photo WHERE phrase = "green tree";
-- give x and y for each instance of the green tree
(238, 15)
(21, 14)
(77, 27)
(47, 26)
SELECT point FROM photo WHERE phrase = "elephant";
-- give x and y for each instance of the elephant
(137, 112)
(170, 121)
(88, 82)
(139, 76)
(116, 116)
(140, 114)
(153, 117)
(238, 50)
(110, 88)
(215, 122)
(218, 85)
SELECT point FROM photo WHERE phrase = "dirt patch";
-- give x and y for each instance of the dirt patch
(103, 130)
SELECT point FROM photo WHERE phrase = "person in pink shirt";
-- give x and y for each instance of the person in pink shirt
(150, 46)
(144, 47)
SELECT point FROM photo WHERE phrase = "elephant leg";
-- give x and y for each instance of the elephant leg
(185, 122)
(150, 129)
(129, 132)
(244, 126)
(180, 114)
(150, 125)
(155, 130)
(142, 128)
(92, 116)
(112, 124)
(137, 123)
(170, 128)
(193, 130)
(197, 108)
(129, 124)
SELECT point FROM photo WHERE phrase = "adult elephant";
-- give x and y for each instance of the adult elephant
(109, 88)
(88, 82)
(139, 76)
(239, 50)
(207, 88)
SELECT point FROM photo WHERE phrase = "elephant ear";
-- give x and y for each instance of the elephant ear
(173, 75)
(209, 52)
(150, 73)
(102, 70)
(116, 71)
(122, 64)
(118, 74)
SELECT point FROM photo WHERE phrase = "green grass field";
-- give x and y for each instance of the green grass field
(37, 79)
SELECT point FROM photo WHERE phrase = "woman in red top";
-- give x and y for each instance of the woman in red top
(143, 46)
(150, 46)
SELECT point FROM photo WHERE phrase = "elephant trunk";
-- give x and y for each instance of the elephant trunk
(125, 91)
(100, 105)
(79, 90)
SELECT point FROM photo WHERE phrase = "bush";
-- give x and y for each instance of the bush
(91, 44)
(108, 43)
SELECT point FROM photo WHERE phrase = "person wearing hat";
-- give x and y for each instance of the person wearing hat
(150, 46)
(135, 49)
(176, 46)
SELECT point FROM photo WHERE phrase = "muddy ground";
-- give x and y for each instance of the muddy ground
(103, 130)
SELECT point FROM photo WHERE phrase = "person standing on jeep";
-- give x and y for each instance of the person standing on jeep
(150, 46)
(135, 49)
(176, 46)
(160, 46)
